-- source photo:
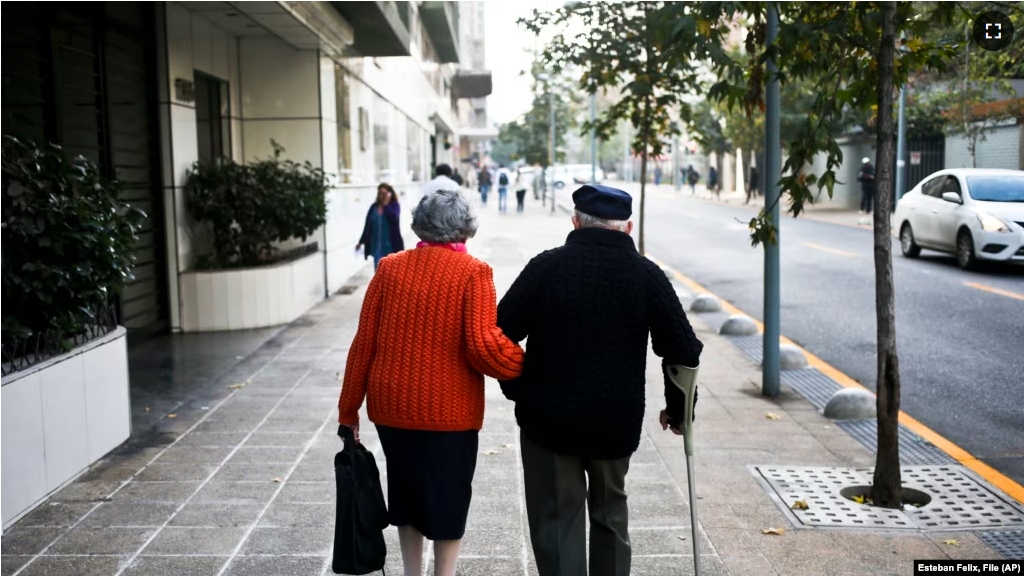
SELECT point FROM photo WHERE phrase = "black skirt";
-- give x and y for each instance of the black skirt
(430, 479)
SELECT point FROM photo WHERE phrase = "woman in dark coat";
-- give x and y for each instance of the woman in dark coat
(381, 233)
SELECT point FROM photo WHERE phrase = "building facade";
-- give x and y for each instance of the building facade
(368, 91)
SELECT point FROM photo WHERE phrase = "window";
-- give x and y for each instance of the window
(382, 114)
(343, 110)
(952, 184)
(213, 118)
(415, 147)
(933, 187)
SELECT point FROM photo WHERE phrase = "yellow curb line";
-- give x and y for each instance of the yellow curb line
(993, 476)
(992, 290)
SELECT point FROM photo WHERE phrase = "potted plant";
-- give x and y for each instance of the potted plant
(67, 254)
(244, 279)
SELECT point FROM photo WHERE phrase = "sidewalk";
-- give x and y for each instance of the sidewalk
(243, 483)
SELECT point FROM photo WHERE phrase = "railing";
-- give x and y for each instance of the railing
(23, 353)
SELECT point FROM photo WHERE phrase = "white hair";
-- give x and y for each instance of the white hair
(444, 216)
(588, 221)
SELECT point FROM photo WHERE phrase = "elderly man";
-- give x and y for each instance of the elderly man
(588, 308)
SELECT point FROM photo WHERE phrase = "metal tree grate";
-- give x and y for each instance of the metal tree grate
(960, 501)
(1008, 543)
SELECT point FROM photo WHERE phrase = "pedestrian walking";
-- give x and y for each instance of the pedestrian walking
(692, 176)
(484, 179)
(381, 232)
(504, 181)
(657, 175)
(754, 185)
(520, 192)
(587, 308)
(457, 178)
(422, 372)
(866, 176)
(713, 182)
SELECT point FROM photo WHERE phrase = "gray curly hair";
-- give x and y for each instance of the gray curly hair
(444, 216)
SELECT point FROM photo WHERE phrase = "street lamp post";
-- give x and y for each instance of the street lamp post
(770, 373)
(551, 146)
(593, 136)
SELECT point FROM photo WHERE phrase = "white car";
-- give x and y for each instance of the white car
(974, 213)
(572, 174)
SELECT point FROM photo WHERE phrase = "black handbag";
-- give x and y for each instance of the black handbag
(359, 546)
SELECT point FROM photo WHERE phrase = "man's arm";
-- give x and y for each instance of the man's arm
(672, 338)
(515, 306)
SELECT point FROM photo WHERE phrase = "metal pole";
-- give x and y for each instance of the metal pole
(676, 176)
(551, 146)
(593, 137)
(901, 145)
(773, 167)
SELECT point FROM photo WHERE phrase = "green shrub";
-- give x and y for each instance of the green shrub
(250, 207)
(67, 241)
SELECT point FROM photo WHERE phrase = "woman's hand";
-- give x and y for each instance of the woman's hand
(355, 431)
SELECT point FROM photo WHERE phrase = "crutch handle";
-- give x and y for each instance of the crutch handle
(685, 379)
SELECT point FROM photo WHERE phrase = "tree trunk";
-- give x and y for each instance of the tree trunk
(886, 488)
(643, 172)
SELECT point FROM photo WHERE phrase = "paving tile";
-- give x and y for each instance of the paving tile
(279, 439)
(82, 491)
(748, 565)
(24, 540)
(292, 515)
(166, 492)
(676, 540)
(252, 472)
(74, 566)
(236, 492)
(491, 514)
(11, 564)
(507, 542)
(314, 492)
(310, 470)
(175, 472)
(208, 514)
(275, 566)
(486, 567)
(129, 513)
(258, 455)
(287, 425)
(197, 438)
(196, 454)
(659, 514)
(56, 514)
(84, 539)
(313, 541)
(175, 540)
(176, 566)
(679, 566)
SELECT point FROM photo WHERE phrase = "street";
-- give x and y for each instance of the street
(959, 340)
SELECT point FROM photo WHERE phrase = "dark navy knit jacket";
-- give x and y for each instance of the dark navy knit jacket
(588, 308)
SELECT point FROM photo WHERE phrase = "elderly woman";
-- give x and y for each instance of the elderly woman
(427, 337)
(381, 233)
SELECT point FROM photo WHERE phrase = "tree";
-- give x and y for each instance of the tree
(847, 54)
(528, 138)
(616, 45)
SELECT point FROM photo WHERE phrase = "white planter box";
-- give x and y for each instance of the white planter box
(251, 297)
(61, 416)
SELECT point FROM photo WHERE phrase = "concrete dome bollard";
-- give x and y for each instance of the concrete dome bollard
(791, 357)
(851, 404)
(738, 325)
(706, 303)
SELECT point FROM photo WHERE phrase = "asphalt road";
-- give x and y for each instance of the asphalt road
(961, 348)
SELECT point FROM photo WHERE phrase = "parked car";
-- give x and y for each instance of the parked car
(572, 174)
(975, 213)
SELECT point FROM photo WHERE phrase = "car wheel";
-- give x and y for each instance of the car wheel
(907, 244)
(559, 185)
(965, 257)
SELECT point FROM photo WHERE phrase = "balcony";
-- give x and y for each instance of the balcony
(441, 22)
(472, 84)
(380, 29)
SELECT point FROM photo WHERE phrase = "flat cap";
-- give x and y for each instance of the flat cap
(603, 202)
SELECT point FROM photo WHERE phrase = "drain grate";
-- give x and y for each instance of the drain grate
(960, 501)
(1008, 543)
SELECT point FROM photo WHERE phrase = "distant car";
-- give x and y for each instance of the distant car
(573, 174)
(975, 213)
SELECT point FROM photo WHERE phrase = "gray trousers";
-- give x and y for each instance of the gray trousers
(557, 495)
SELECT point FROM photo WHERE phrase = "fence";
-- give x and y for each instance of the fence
(22, 353)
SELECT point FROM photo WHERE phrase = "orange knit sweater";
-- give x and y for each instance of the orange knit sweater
(427, 335)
